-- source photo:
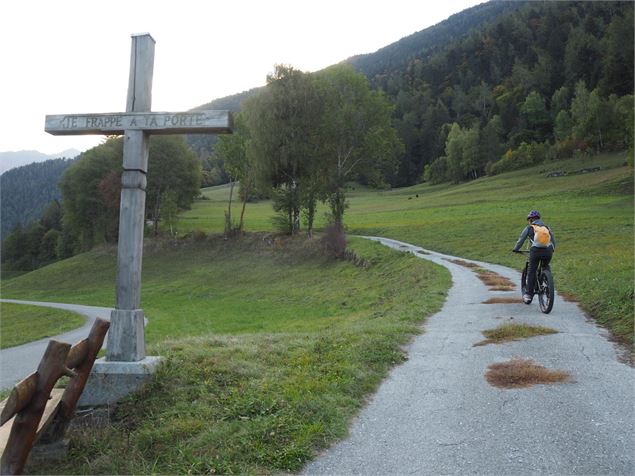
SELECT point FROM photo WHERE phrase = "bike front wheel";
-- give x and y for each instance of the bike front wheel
(523, 281)
(545, 291)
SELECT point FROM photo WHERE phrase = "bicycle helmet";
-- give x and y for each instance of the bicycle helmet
(533, 215)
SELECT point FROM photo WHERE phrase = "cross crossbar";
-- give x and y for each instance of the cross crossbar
(201, 122)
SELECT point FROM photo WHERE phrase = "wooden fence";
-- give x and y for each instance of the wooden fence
(38, 413)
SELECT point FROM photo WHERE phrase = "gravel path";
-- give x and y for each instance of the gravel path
(436, 413)
(18, 362)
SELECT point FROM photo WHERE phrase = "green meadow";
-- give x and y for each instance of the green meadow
(591, 214)
(271, 347)
(21, 324)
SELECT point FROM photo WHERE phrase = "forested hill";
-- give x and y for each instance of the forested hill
(535, 81)
(396, 56)
(26, 190)
(500, 86)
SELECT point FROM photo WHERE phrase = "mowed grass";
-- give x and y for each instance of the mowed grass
(591, 215)
(270, 348)
(20, 323)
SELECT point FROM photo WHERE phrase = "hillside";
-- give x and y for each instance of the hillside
(508, 84)
(398, 55)
(270, 349)
(264, 335)
(535, 74)
(586, 199)
(26, 190)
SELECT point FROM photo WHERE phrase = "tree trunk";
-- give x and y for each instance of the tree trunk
(310, 214)
(228, 216)
(157, 212)
(242, 212)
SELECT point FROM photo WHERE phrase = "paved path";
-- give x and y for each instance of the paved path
(18, 362)
(436, 413)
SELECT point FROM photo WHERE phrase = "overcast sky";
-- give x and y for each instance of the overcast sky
(67, 56)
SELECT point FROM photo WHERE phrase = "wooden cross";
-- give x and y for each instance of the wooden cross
(126, 335)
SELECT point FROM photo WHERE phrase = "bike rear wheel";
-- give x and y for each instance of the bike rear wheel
(545, 291)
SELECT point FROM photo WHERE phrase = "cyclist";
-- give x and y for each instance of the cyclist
(542, 248)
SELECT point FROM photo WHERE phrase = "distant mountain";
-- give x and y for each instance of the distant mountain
(230, 103)
(26, 190)
(11, 160)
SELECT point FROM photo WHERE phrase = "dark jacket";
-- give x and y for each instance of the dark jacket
(528, 232)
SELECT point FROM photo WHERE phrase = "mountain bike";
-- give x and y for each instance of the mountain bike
(544, 287)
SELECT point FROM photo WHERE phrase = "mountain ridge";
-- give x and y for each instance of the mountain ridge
(13, 159)
(398, 53)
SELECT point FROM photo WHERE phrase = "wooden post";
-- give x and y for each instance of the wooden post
(126, 341)
(81, 358)
(26, 422)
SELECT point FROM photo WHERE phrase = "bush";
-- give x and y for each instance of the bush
(525, 156)
(437, 171)
(334, 240)
(48, 246)
(195, 236)
(569, 147)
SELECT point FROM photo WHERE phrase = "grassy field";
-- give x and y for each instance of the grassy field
(21, 324)
(591, 215)
(271, 349)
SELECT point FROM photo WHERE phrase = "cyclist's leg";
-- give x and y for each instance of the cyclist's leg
(546, 255)
(534, 257)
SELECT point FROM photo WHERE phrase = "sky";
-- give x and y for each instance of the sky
(73, 56)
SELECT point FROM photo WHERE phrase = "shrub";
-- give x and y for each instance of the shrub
(437, 171)
(525, 156)
(569, 147)
(334, 240)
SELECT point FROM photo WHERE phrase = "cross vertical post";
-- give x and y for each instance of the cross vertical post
(126, 365)
(126, 341)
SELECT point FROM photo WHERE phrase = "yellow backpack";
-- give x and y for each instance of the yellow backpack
(542, 237)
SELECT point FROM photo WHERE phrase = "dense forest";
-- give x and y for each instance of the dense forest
(544, 80)
(398, 55)
(85, 207)
(25, 191)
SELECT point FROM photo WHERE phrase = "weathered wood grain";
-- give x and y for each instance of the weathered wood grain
(88, 348)
(19, 398)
